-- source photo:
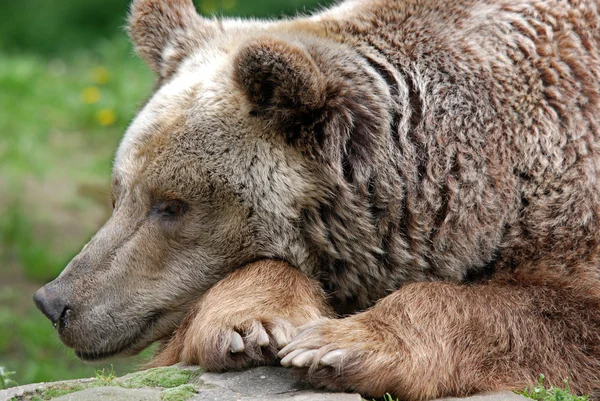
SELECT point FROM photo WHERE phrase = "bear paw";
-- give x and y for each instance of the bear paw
(254, 342)
(338, 354)
(243, 320)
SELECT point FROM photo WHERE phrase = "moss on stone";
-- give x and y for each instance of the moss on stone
(179, 393)
(174, 379)
(56, 391)
(159, 377)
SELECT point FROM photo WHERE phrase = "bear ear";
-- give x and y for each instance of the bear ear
(164, 31)
(280, 80)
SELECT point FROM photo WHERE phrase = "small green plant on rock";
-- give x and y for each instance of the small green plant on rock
(541, 393)
(105, 378)
(5, 380)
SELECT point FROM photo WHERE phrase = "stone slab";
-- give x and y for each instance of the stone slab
(262, 381)
(258, 384)
(496, 396)
(20, 391)
(307, 396)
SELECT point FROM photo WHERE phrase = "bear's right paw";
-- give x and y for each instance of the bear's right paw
(220, 345)
(244, 319)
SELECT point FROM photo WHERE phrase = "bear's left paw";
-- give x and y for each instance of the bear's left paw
(311, 348)
(338, 354)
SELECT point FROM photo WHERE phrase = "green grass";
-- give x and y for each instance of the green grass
(541, 393)
(35, 24)
(5, 380)
(56, 149)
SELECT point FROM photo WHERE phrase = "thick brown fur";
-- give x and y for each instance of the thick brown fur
(434, 165)
(431, 340)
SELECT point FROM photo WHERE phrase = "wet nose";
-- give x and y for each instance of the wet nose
(49, 302)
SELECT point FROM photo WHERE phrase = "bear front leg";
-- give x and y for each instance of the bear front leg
(243, 320)
(431, 340)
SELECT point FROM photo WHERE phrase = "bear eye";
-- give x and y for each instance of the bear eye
(171, 208)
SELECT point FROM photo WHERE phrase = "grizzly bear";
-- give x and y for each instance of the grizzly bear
(394, 196)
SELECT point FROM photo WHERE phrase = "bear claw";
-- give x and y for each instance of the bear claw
(280, 337)
(311, 348)
(237, 343)
(288, 359)
(333, 358)
(263, 337)
(303, 357)
(254, 334)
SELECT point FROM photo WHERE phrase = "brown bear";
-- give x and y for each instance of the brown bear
(418, 182)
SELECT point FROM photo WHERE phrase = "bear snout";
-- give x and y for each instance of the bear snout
(53, 305)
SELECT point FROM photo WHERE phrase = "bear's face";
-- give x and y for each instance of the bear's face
(201, 184)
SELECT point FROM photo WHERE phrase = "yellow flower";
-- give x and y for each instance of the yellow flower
(100, 75)
(90, 95)
(228, 4)
(106, 117)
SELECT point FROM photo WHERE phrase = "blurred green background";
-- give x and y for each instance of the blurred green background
(69, 85)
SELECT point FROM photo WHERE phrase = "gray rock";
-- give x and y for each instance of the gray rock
(496, 396)
(259, 384)
(21, 391)
(262, 381)
(216, 394)
(112, 394)
(263, 384)
(308, 396)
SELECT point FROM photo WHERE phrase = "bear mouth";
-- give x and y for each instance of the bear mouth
(131, 345)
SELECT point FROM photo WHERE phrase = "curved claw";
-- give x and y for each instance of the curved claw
(333, 358)
(286, 350)
(263, 337)
(304, 359)
(279, 337)
(287, 361)
(237, 343)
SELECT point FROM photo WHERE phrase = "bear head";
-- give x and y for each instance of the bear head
(218, 169)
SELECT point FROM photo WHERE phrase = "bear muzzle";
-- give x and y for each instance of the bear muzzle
(49, 301)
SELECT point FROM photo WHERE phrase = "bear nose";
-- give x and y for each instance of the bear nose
(49, 302)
